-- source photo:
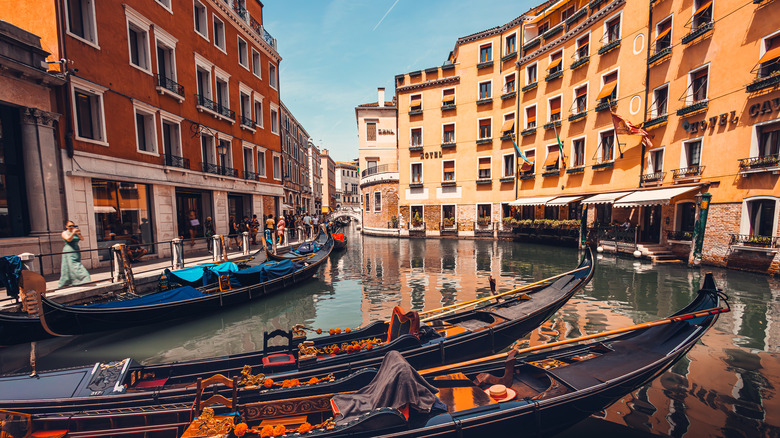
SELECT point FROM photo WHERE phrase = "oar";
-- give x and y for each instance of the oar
(513, 291)
(644, 325)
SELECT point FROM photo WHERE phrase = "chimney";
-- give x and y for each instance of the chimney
(381, 98)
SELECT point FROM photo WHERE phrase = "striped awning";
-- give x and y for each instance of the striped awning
(537, 200)
(605, 198)
(653, 197)
(564, 200)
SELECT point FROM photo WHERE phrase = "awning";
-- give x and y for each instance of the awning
(104, 209)
(663, 34)
(770, 55)
(527, 166)
(653, 197)
(554, 64)
(605, 198)
(538, 200)
(564, 200)
(702, 8)
(547, 12)
(508, 125)
(552, 159)
(606, 90)
(448, 98)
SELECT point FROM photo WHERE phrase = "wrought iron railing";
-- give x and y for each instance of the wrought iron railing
(687, 172)
(679, 235)
(759, 162)
(218, 170)
(755, 240)
(382, 168)
(248, 174)
(763, 82)
(205, 102)
(692, 108)
(174, 161)
(170, 85)
(697, 32)
(653, 177)
(247, 121)
(618, 233)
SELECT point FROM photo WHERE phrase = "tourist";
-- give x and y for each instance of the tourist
(193, 226)
(280, 230)
(208, 231)
(234, 231)
(72, 271)
(307, 224)
(254, 228)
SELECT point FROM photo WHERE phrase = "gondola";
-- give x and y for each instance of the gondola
(538, 393)
(446, 338)
(339, 241)
(303, 250)
(234, 286)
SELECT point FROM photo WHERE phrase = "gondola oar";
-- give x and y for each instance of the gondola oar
(644, 325)
(513, 291)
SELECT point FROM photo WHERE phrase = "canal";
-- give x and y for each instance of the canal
(726, 386)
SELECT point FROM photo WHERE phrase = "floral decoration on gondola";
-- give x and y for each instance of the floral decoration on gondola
(269, 431)
(250, 381)
(307, 349)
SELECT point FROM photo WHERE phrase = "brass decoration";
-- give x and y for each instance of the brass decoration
(207, 424)
(286, 408)
(247, 379)
(299, 331)
(106, 376)
(307, 350)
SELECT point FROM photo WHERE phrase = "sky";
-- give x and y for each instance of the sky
(336, 53)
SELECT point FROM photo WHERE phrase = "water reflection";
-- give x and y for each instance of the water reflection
(725, 386)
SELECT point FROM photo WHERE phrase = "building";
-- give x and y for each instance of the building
(171, 114)
(315, 170)
(295, 161)
(347, 185)
(377, 124)
(328, 178)
(32, 208)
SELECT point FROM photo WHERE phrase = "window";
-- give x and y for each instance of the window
(583, 47)
(275, 121)
(486, 53)
(166, 60)
(448, 97)
(256, 69)
(88, 107)
(511, 44)
(367, 204)
(146, 134)
(484, 211)
(261, 163)
(554, 105)
(655, 163)
(692, 153)
(201, 27)
(531, 74)
(580, 99)
(248, 163)
(223, 96)
(485, 90)
(416, 137)
(219, 33)
(165, 3)
(663, 35)
(448, 214)
(245, 109)
(448, 136)
(171, 138)
(606, 150)
(277, 163)
(203, 78)
(556, 63)
(208, 153)
(509, 165)
(608, 91)
(243, 53)
(415, 102)
(544, 27)
(660, 101)
(769, 140)
(509, 83)
(258, 113)
(225, 159)
(702, 14)
(508, 128)
(370, 131)
(530, 117)
(769, 63)
(81, 20)
(553, 158)
(485, 131)
(612, 30)
(417, 174)
(138, 39)
(761, 217)
(483, 171)
(448, 170)
(697, 91)
(578, 152)
(377, 201)
(528, 168)
(272, 79)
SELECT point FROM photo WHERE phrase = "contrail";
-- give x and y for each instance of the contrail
(383, 17)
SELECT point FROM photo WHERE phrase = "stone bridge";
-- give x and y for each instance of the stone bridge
(348, 213)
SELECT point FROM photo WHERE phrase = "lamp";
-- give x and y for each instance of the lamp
(222, 150)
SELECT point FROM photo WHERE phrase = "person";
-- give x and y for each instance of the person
(72, 271)
(626, 225)
(193, 224)
(208, 231)
(234, 231)
(269, 223)
(134, 250)
(254, 228)
(307, 224)
(280, 230)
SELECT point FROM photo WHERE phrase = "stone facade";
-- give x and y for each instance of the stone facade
(722, 221)
(387, 217)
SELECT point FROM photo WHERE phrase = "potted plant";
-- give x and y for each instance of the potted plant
(416, 220)
(483, 221)
(449, 221)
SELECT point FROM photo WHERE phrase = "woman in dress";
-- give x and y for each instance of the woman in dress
(72, 271)
(280, 230)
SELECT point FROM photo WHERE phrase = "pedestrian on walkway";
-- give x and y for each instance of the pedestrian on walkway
(234, 232)
(307, 224)
(72, 271)
(208, 231)
(280, 230)
(254, 228)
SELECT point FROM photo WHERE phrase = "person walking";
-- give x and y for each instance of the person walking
(307, 224)
(208, 231)
(280, 230)
(72, 271)
(234, 231)
(254, 228)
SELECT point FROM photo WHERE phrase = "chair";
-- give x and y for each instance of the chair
(279, 359)
(403, 323)
(202, 384)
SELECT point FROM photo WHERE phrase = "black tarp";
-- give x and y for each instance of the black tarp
(395, 385)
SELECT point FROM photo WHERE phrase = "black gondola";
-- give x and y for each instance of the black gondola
(540, 394)
(303, 250)
(446, 339)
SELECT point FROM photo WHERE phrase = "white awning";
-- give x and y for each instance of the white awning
(605, 198)
(564, 200)
(653, 197)
(104, 209)
(538, 200)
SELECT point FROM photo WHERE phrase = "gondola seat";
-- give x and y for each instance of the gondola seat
(278, 359)
(403, 323)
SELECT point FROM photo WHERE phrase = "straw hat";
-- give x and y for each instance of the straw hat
(501, 393)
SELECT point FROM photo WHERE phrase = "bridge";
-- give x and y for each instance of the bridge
(346, 212)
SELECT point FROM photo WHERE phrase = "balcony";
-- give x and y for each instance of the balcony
(609, 47)
(554, 76)
(604, 165)
(174, 161)
(218, 170)
(578, 116)
(249, 175)
(484, 64)
(580, 62)
(509, 95)
(653, 179)
(699, 31)
(247, 122)
(415, 148)
(485, 100)
(594, 4)
(529, 87)
(215, 108)
(531, 44)
(656, 122)
(487, 140)
(260, 30)
(687, 173)
(553, 124)
(552, 32)
(576, 16)
(659, 55)
(693, 108)
(605, 105)
(680, 236)
(529, 131)
(169, 86)
(766, 163)
(762, 83)
(746, 242)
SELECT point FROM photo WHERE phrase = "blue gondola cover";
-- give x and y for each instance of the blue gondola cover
(170, 296)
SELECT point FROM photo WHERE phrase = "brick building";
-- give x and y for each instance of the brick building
(295, 163)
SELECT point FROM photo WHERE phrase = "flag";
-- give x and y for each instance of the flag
(560, 145)
(623, 126)
(518, 152)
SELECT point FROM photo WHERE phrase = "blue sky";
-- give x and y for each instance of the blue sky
(336, 53)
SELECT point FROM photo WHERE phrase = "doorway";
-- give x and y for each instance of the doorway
(651, 221)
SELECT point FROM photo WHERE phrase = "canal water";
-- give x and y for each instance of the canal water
(726, 386)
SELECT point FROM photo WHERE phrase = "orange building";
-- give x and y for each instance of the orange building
(170, 113)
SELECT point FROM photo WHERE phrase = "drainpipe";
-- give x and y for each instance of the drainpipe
(647, 87)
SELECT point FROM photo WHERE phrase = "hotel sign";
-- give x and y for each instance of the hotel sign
(384, 131)
(755, 110)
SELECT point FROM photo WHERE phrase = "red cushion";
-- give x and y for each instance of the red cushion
(275, 360)
(151, 383)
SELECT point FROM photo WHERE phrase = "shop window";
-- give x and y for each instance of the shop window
(530, 117)
(416, 137)
(485, 131)
(485, 90)
(484, 168)
(122, 213)
(417, 215)
(219, 33)
(578, 152)
(484, 212)
(371, 131)
(448, 214)
(531, 74)
(417, 173)
(486, 53)
(509, 165)
(663, 32)
(377, 202)
(256, 62)
(448, 135)
(81, 20)
(660, 104)
(201, 27)
(448, 170)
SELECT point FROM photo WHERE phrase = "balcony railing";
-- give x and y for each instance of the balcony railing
(174, 161)
(170, 85)
(617, 234)
(530, 86)
(659, 54)
(688, 172)
(679, 235)
(382, 168)
(762, 83)
(553, 76)
(609, 47)
(260, 30)
(528, 131)
(755, 241)
(580, 62)
(697, 32)
(605, 105)
(578, 115)
(653, 177)
(247, 121)
(205, 102)
(248, 174)
(693, 108)
(656, 121)
(766, 161)
(218, 170)
(552, 124)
